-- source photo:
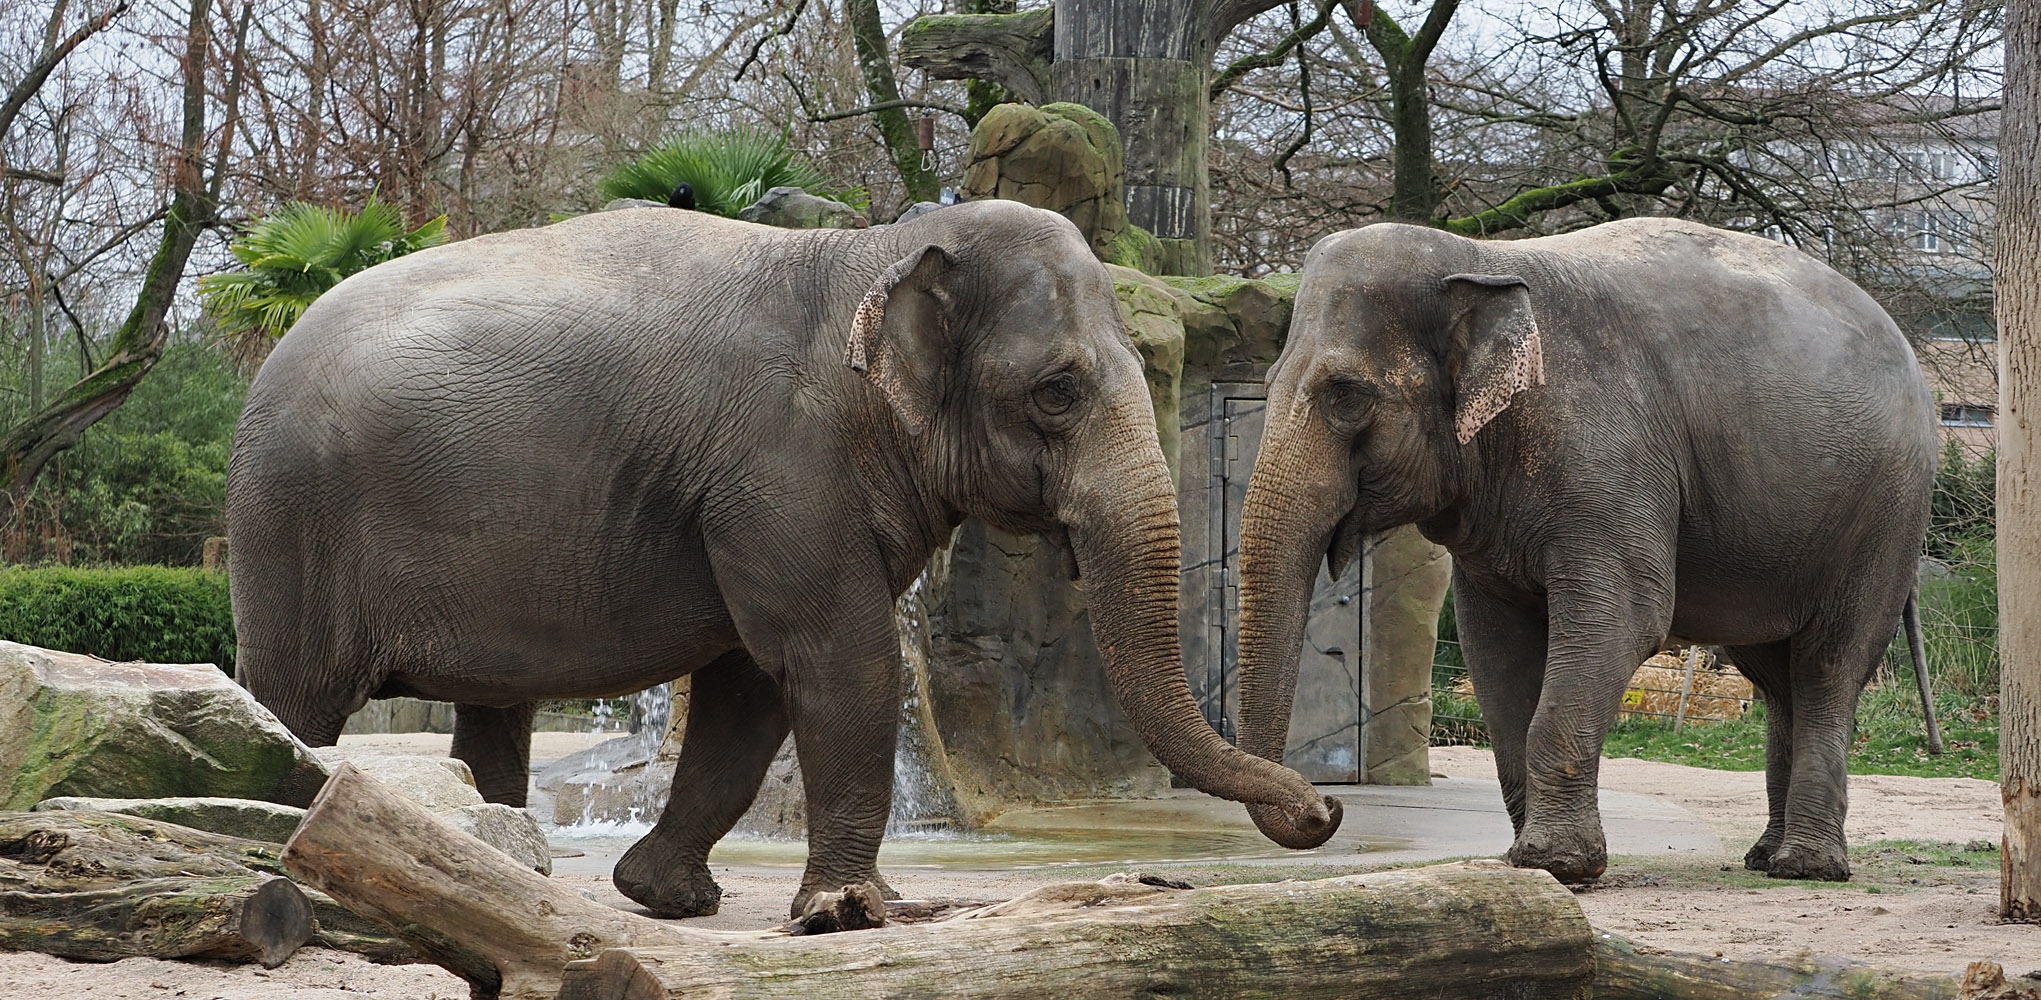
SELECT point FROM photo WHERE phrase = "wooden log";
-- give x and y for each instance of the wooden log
(1446, 931)
(259, 918)
(1625, 970)
(104, 886)
(460, 903)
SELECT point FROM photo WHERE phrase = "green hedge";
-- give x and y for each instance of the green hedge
(156, 613)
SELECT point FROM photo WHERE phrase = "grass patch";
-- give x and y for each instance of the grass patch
(1890, 738)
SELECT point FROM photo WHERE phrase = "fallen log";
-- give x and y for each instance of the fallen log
(102, 887)
(1626, 970)
(458, 902)
(236, 917)
(1449, 930)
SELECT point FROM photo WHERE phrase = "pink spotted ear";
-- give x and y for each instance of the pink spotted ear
(1496, 348)
(899, 334)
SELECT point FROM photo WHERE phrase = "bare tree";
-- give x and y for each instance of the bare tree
(2019, 501)
(137, 344)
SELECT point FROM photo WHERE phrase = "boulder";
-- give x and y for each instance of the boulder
(618, 203)
(917, 210)
(72, 724)
(1065, 158)
(506, 828)
(446, 788)
(793, 208)
(248, 819)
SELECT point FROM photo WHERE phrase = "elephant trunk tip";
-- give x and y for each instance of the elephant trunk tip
(1299, 829)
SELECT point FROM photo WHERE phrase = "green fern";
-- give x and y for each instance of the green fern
(728, 170)
(292, 256)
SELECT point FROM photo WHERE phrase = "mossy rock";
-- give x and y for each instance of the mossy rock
(1229, 319)
(1062, 157)
(1153, 321)
(77, 725)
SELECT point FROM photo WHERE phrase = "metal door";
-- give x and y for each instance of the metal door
(1325, 720)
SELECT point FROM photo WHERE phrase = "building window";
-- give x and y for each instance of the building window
(1966, 415)
(1928, 234)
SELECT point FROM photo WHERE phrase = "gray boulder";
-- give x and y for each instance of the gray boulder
(616, 203)
(78, 725)
(247, 818)
(793, 208)
(446, 787)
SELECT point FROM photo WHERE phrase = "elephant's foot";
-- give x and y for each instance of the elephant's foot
(1809, 863)
(1759, 857)
(668, 890)
(1569, 859)
(812, 884)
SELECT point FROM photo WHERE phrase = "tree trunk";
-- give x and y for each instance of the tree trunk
(2018, 298)
(462, 904)
(104, 886)
(29, 446)
(1142, 65)
(875, 64)
(1458, 931)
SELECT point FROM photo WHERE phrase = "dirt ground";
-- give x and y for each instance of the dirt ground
(1910, 908)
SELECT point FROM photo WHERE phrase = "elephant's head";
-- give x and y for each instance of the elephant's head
(1401, 350)
(996, 341)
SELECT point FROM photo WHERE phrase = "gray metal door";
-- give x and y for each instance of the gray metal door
(1325, 721)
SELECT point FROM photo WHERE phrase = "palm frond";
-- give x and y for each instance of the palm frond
(727, 169)
(293, 255)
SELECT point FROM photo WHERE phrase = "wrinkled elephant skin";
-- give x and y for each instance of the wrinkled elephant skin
(1645, 429)
(580, 460)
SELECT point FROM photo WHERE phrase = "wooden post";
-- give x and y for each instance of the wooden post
(1686, 688)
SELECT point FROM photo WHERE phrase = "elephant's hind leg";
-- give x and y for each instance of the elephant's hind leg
(1766, 667)
(496, 743)
(1830, 663)
(736, 721)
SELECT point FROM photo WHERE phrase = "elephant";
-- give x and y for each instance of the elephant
(1640, 430)
(580, 460)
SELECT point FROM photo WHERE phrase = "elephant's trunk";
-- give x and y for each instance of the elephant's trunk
(1284, 532)
(1123, 528)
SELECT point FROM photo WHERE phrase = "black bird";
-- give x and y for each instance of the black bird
(683, 196)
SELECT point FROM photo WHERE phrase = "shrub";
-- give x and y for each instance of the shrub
(147, 484)
(156, 613)
(728, 170)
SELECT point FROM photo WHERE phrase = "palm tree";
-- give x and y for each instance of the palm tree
(292, 256)
(727, 169)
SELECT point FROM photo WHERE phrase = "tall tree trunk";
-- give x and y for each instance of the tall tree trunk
(29, 446)
(1414, 186)
(1143, 64)
(2018, 298)
(875, 62)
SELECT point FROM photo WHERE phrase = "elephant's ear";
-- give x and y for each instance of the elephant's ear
(1495, 352)
(900, 338)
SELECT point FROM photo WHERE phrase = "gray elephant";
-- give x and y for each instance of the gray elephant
(580, 460)
(1644, 429)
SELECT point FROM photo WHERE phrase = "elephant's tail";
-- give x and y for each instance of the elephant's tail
(1918, 646)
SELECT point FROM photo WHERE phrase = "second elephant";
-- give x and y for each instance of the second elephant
(1645, 429)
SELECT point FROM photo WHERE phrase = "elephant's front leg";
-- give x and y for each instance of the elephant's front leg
(1597, 639)
(736, 721)
(1504, 646)
(846, 719)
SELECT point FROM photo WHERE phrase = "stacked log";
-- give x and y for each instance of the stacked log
(103, 886)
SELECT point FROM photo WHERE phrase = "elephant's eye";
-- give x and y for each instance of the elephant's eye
(1348, 403)
(1057, 394)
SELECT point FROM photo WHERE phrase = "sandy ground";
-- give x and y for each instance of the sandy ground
(1938, 922)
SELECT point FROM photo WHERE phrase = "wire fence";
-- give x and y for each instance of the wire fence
(1692, 685)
